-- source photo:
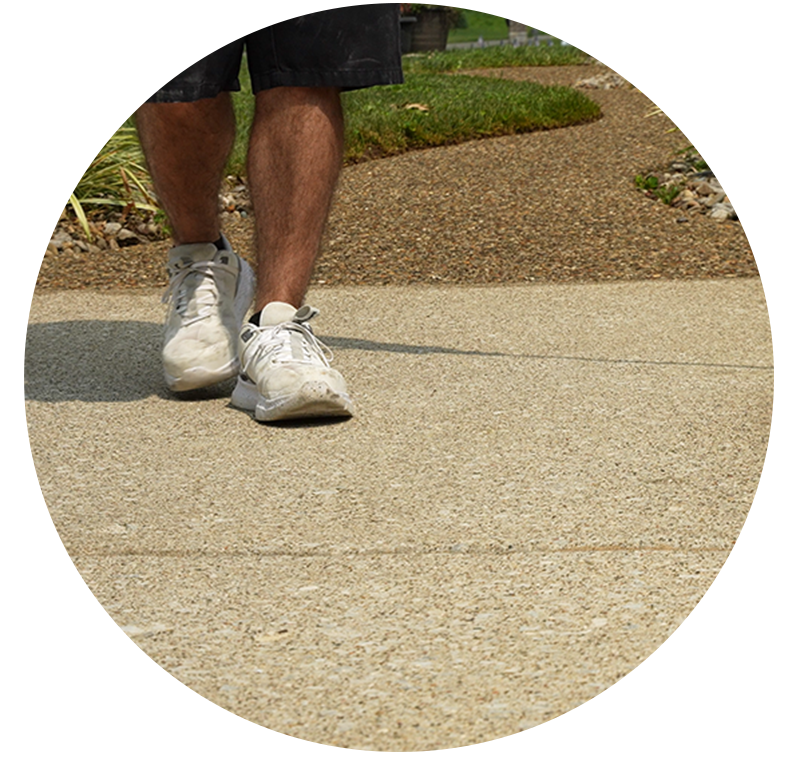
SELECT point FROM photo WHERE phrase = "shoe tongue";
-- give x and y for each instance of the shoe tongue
(276, 312)
(195, 252)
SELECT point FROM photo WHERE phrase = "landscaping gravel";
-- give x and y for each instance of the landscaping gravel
(559, 205)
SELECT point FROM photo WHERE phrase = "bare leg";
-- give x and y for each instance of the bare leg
(186, 146)
(294, 160)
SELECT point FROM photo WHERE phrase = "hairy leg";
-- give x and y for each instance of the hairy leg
(294, 160)
(186, 146)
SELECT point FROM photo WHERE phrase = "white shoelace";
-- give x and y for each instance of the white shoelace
(274, 343)
(177, 290)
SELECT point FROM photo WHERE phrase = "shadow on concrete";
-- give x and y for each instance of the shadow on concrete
(93, 361)
(346, 343)
(120, 361)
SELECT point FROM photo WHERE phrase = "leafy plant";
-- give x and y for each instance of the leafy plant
(650, 184)
(647, 183)
(668, 193)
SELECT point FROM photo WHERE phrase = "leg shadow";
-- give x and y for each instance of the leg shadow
(94, 361)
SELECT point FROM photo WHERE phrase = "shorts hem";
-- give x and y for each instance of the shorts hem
(191, 94)
(345, 80)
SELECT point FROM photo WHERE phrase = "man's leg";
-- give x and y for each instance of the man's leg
(186, 146)
(295, 156)
(297, 69)
(294, 161)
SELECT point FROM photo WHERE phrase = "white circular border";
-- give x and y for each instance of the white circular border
(723, 683)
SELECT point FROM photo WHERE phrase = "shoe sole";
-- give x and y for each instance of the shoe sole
(314, 399)
(199, 377)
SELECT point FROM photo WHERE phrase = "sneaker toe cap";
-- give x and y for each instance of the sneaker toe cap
(181, 355)
(288, 379)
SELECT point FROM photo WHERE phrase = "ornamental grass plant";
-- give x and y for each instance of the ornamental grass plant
(117, 177)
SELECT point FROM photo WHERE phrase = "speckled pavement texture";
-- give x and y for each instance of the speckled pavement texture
(541, 482)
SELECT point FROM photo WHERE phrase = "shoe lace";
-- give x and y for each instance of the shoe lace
(179, 288)
(274, 343)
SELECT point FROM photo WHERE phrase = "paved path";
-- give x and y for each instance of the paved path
(540, 484)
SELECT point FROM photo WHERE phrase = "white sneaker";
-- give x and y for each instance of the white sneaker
(209, 292)
(286, 370)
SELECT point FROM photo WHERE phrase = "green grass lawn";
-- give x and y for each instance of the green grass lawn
(479, 25)
(433, 110)
(498, 56)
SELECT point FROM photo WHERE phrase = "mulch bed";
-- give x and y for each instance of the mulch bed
(556, 205)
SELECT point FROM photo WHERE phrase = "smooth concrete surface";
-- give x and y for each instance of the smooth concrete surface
(540, 484)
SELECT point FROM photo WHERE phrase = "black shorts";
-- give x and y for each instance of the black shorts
(349, 48)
